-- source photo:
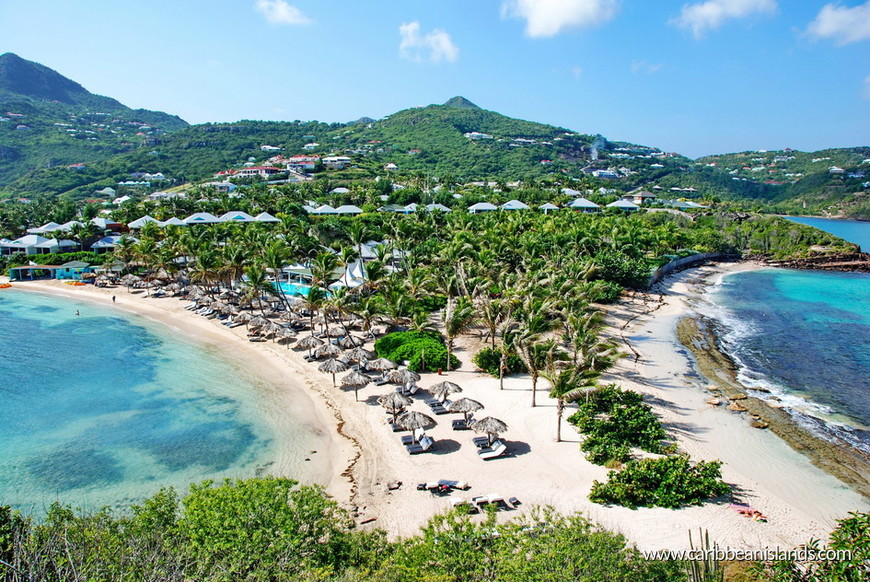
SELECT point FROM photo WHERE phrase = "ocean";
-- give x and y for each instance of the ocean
(854, 231)
(804, 336)
(103, 409)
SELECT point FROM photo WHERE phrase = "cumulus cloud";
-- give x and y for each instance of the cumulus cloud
(435, 46)
(279, 12)
(842, 24)
(546, 18)
(703, 16)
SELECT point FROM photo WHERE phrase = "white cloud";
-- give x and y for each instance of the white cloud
(645, 67)
(435, 46)
(703, 16)
(279, 12)
(546, 18)
(842, 24)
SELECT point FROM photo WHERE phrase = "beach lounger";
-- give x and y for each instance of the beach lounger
(234, 324)
(461, 485)
(481, 442)
(462, 424)
(498, 449)
(424, 445)
(380, 382)
(438, 409)
(410, 439)
(460, 502)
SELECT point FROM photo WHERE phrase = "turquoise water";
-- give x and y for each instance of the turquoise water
(805, 336)
(102, 409)
(854, 231)
(293, 289)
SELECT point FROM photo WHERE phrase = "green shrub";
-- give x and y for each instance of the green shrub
(489, 360)
(665, 482)
(431, 303)
(424, 350)
(614, 420)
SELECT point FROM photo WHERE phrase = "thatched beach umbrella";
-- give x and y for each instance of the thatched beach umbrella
(244, 317)
(327, 350)
(413, 420)
(358, 354)
(332, 366)
(309, 342)
(465, 406)
(395, 402)
(336, 331)
(489, 425)
(380, 365)
(285, 334)
(356, 381)
(442, 389)
(351, 341)
(258, 322)
(402, 376)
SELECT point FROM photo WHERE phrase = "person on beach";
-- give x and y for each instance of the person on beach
(77, 312)
(113, 298)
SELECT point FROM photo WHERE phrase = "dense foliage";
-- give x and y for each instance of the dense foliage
(490, 361)
(424, 351)
(271, 529)
(670, 481)
(614, 420)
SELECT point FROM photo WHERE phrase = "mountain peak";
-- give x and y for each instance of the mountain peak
(31, 79)
(459, 102)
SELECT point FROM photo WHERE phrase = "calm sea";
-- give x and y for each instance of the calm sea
(102, 409)
(854, 231)
(805, 337)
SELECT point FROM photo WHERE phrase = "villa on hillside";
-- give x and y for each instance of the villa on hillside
(640, 197)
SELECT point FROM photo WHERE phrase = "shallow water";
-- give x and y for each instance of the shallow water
(805, 336)
(104, 409)
(855, 231)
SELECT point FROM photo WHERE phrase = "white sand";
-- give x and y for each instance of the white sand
(800, 500)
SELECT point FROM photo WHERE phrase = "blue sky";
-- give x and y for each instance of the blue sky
(692, 76)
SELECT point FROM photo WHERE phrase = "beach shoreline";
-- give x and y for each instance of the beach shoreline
(375, 478)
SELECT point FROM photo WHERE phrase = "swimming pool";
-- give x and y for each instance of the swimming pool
(294, 289)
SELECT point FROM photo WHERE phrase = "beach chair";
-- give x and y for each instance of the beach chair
(462, 424)
(481, 442)
(438, 409)
(461, 485)
(498, 449)
(410, 439)
(456, 502)
(380, 381)
(424, 445)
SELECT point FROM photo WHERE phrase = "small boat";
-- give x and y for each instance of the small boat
(5, 285)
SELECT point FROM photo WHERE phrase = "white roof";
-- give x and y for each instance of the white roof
(55, 243)
(107, 242)
(325, 209)
(44, 228)
(173, 221)
(481, 206)
(202, 218)
(28, 240)
(514, 205)
(571, 192)
(624, 204)
(348, 209)
(354, 275)
(339, 190)
(548, 206)
(140, 222)
(412, 207)
(236, 216)
(441, 207)
(265, 217)
(583, 203)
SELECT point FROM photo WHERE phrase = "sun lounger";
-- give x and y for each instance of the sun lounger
(460, 502)
(481, 442)
(235, 324)
(438, 409)
(514, 501)
(498, 449)
(416, 437)
(462, 485)
(462, 424)
(424, 445)
(380, 382)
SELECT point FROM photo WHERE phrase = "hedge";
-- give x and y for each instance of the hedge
(424, 350)
(489, 360)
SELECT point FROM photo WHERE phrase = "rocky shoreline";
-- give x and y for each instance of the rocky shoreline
(839, 459)
(852, 262)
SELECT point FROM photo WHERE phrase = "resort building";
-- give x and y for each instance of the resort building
(514, 205)
(71, 271)
(33, 244)
(640, 197)
(624, 205)
(482, 207)
(548, 207)
(583, 205)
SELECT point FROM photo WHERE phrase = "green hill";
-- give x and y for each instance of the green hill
(48, 120)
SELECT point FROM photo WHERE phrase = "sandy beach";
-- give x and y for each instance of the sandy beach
(364, 457)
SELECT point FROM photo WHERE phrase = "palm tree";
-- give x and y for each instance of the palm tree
(568, 386)
(458, 316)
(529, 342)
(257, 285)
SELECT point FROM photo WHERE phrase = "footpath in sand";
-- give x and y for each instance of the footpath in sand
(365, 457)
